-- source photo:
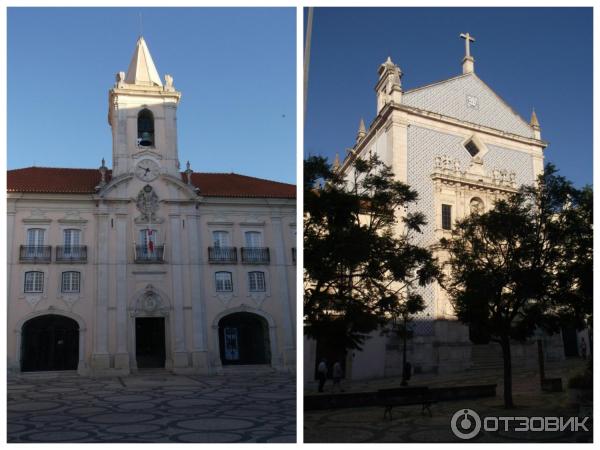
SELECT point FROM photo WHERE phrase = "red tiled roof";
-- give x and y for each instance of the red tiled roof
(84, 181)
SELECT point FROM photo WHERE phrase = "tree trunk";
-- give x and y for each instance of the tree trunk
(508, 400)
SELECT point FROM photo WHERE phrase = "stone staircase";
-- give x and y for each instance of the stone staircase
(486, 357)
(248, 369)
(489, 357)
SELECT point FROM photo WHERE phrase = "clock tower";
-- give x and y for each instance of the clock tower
(142, 113)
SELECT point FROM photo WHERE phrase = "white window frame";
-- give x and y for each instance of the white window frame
(257, 281)
(73, 241)
(71, 282)
(224, 284)
(221, 238)
(34, 282)
(259, 242)
(35, 238)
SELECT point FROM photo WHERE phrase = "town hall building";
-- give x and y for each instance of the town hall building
(148, 264)
(461, 147)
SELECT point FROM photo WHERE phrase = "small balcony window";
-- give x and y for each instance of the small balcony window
(255, 255)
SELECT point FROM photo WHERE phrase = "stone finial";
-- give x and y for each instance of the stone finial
(103, 170)
(188, 173)
(120, 79)
(168, 83)
(535, 124)
(468, 64)
(362, 131)
(389, 86)
(336, 162)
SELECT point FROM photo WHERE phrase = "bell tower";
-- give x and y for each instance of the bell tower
(142, 112)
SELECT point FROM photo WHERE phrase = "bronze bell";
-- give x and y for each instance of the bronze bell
(147, 139)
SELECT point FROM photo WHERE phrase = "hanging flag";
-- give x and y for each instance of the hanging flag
(150, 242)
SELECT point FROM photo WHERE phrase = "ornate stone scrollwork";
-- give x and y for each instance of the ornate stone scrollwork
(445, 163)
(504, 177)
(150, 303)
(147, 204)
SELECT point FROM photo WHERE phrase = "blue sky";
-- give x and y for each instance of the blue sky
(531, 57)
(236, 69)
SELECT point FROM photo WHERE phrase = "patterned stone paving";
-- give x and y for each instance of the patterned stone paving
(408, 425)
(153, 407)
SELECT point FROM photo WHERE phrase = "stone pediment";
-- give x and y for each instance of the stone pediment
(469, 99)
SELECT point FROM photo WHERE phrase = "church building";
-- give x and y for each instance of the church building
(461, 147)
(147, 265)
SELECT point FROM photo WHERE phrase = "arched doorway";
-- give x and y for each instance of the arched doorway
(244, 339)
(49, 342)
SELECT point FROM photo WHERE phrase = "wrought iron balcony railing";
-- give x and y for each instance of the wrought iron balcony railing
(255, 255)
(145, 255)
(71, 253)
(35, 253)
(222, 255)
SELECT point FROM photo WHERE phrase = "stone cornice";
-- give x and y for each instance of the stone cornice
(381, 121)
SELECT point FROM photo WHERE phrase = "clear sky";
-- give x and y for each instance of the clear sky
(236, 69)
(531, 57)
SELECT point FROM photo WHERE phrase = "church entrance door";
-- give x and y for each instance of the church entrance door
(50, 342)
(150, 342)
(244, 339)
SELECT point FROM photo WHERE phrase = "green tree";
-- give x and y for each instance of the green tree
(359, 262)
(524, 264)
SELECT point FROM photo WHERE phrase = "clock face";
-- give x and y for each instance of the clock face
(147, 170)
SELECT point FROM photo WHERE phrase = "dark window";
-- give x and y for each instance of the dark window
(447, 217)
(146, 128)
(472, 148)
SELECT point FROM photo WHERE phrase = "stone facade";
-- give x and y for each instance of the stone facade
(459, 145)
(150, 241)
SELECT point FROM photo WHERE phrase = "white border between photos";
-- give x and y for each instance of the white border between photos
(299, 4)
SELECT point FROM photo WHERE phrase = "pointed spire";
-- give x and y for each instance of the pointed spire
(336, 162)
(534, 123)
(362, 131)
(142, 70)
(534, 120)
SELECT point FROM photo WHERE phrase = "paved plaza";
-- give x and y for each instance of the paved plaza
(408, 425)
(238, 406)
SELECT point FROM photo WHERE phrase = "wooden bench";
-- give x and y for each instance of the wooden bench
(405, 397)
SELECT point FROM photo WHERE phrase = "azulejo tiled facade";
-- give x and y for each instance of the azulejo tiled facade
(145, 264)
(461, 147)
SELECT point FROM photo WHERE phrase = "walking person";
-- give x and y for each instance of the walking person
(322, 374)
(337, 376)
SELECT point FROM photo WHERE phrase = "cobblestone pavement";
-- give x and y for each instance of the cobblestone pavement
(367, 424)
(153, 407)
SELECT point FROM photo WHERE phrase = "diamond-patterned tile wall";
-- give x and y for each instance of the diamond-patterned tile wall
(469, 99)
(423, 146)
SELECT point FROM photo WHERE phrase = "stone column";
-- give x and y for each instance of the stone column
(13, 363)
(180, 357)
(199, 338)
(122, 355)
(100, 357)
(283, 292)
